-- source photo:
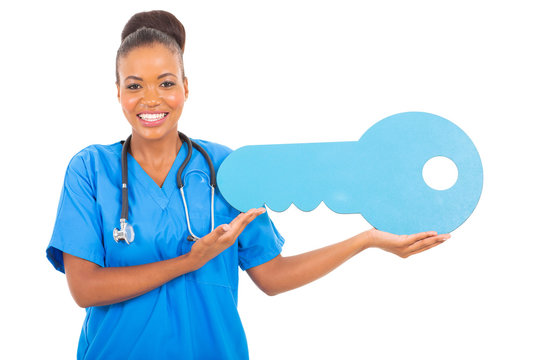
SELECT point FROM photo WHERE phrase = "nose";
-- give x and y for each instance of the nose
(151, 97)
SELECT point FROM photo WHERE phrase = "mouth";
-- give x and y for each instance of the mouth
(152, 119)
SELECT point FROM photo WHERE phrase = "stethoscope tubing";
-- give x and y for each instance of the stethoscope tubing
(121, 235)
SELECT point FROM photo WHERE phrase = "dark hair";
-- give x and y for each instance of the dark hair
(151, 27)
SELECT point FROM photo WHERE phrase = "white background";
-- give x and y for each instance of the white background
(282, 72)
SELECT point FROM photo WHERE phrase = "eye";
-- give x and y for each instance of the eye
(133, 86)
(167, 83)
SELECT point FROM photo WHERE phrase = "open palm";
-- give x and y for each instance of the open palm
(405, 245)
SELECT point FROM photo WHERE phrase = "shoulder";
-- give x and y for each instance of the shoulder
(88, 160)
(217, 152)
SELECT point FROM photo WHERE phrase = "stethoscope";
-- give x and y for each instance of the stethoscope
(126, 231)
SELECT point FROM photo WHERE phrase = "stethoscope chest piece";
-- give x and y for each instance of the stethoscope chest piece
(125, 233)
(192, 238)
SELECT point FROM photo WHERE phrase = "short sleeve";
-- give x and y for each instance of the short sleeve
(77, 229)
(259, 242)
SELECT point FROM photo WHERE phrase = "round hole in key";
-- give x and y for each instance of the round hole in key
(440, 173)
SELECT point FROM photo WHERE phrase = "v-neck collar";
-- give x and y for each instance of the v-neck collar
(161, 195)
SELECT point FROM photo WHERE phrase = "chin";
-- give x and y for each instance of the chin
(154, 132)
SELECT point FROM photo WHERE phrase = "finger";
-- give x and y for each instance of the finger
(426, 248)
(428, 241)
(250, 216)
(238, 220)
(254, 214)
(415, 237)
(240, 217)
(239, 223)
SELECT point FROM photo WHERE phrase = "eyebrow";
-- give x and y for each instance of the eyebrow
(140, 79)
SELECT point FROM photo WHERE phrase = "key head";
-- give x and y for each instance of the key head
(400, 201)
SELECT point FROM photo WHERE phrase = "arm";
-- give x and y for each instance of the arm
(286, 273)
(93, 285)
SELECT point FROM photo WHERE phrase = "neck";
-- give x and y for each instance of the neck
(155, 151)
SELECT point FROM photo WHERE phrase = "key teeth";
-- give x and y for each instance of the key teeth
(298, 205)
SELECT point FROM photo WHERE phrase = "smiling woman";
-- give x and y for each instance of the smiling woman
(152, 91)
(164, 296)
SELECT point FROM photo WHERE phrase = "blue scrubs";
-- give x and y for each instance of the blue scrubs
(193, 316)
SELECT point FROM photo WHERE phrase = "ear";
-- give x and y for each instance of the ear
(118, 90)
(186, 89)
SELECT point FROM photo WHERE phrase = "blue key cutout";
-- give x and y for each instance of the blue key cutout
(379, 176)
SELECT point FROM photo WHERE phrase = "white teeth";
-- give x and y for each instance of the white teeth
(152, 117)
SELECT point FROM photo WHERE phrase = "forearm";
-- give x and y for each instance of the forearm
(92, 285)
(294, 271)
(109, 285)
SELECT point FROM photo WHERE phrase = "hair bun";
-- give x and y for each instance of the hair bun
(160, 20)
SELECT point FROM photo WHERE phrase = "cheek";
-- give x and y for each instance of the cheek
(129, 103)
(175, 100)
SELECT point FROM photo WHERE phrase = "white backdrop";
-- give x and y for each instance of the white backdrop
(283, 72)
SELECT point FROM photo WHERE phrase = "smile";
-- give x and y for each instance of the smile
(152, 117)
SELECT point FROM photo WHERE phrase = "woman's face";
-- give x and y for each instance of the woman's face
(151, 90)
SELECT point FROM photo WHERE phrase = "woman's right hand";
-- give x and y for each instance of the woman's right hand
(221, 238)
(93, 285)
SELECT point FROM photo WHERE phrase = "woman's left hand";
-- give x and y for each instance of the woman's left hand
(405, 245)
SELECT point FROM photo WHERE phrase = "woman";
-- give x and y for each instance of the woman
(164, 296)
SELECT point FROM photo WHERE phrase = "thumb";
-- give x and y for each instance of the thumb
(222, 229)
(218, 232)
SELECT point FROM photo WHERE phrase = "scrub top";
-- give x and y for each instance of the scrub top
(193, 316)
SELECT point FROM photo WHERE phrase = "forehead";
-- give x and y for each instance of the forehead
(149, 61)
